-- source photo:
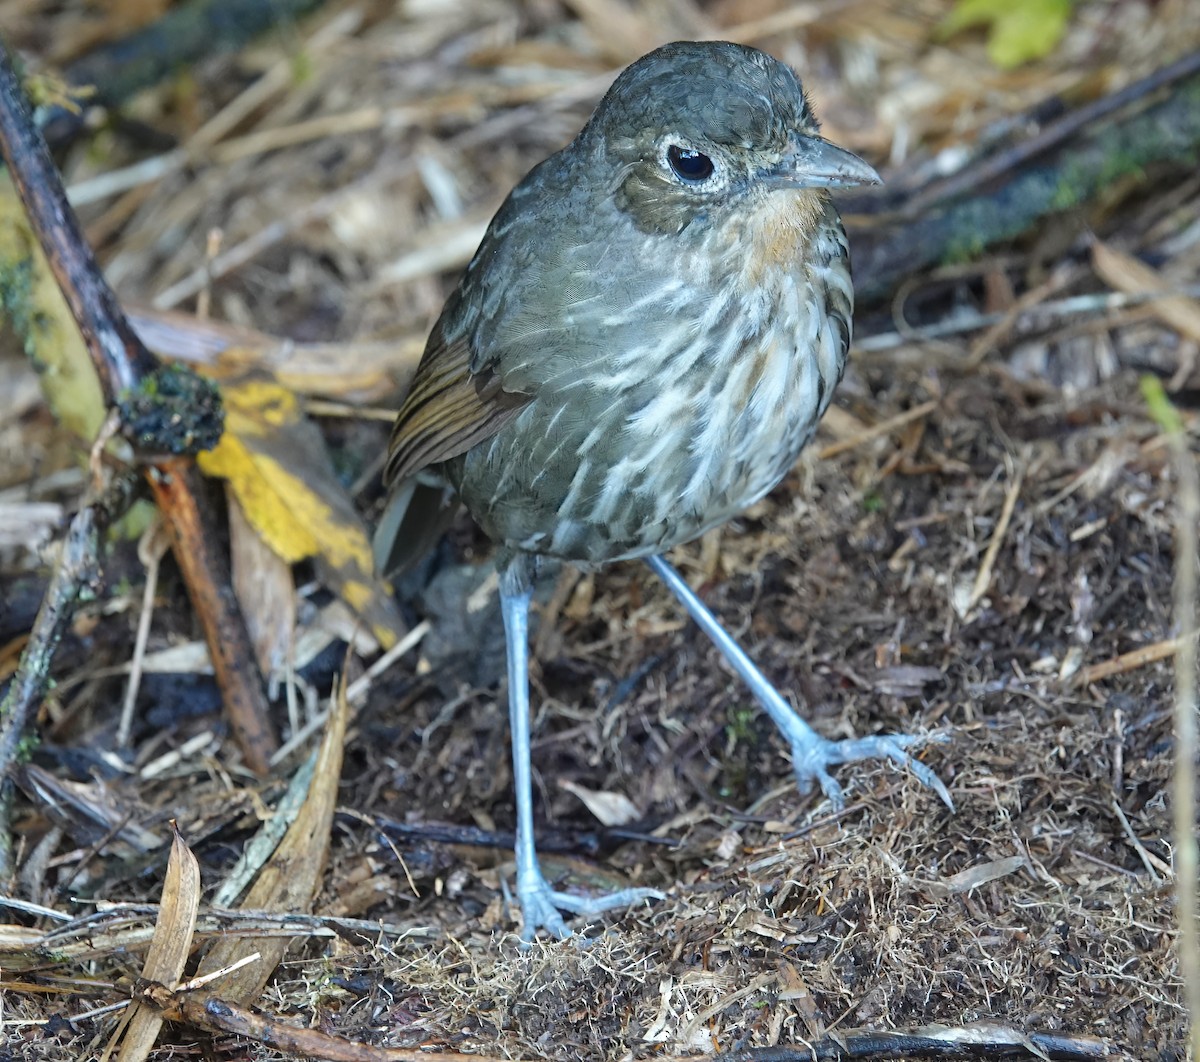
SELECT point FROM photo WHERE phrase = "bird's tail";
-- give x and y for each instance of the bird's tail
(415, 515)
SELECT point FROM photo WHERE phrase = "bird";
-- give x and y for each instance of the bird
(643, 343)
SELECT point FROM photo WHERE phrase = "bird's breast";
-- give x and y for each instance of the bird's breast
(708, 387)
(777, 232)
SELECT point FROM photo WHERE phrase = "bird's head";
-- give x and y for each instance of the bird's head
(700, 129)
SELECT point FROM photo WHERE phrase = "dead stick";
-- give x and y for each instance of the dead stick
(1130, 661)
(1058, 132)
(77, 571)
(76, 574)
(177, 487)
(123, 365)
(876, 430)
(981, 1041)
(1075, 175)
(1183, 782)
(220, 1016)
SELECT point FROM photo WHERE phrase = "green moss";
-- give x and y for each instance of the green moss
(173, 411)
(302, 67)
(1119, 164)
(1071, 188)
(26, 745)
(740, 727)
(969, 237)
(16, 301)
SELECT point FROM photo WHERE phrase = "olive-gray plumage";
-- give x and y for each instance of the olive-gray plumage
(665, 348)
(644, 342)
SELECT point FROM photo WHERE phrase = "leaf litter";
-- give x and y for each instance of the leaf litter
(980, 545)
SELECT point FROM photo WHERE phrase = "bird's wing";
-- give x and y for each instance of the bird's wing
(448, 410)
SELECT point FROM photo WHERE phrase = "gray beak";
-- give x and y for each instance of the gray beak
(816, 163)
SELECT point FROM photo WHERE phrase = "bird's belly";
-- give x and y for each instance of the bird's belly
(593, 473)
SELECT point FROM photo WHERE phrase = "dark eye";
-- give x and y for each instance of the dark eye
(689, 165)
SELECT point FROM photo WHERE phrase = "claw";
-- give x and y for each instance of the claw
(540, 906)
(812, 754)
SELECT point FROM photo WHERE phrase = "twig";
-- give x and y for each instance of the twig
(1130, 661)
(876, 430)
(589, 89)
(76, 576)
(1149, 861)
(150, 549)
(184, 34)
(990, 340)
(983, 577)
(119, 356)
(968, 1041)
(177, 487)
(260, 848)
(164, 409)
(277, 78)
(1183, 784)
(1054, 134)
(129, 927)
(1039, 315)
(356, 692)
(78, 570)
(1075, 175)
(218, 1015)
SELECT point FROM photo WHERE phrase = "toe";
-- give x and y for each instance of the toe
(811, 760)
(540, 912)
(594, 905)
(540, 907)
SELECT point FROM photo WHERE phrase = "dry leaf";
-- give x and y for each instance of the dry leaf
(1125, 273)
(265, 590)
(290, 879)
(612, 809)
(168, 951)
(274, 459)
(32, 305)
(28, 525)
(352, 372)
(980, 874)
(275, 462)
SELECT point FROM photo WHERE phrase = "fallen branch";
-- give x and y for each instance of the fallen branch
(163, 410)
(221, 1016)
(983, 1041)
(76, 576)
(185, 34)
(999, 199)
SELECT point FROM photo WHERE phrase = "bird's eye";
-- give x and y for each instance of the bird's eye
(689, 165)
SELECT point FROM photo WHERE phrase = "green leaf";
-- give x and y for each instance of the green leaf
(1160, 406)
(1019, 31)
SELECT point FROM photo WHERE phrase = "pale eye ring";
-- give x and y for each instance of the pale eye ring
(689, 165)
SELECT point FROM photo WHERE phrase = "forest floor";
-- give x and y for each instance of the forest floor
(980, 534)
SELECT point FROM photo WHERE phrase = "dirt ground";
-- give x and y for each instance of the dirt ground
(979, 537)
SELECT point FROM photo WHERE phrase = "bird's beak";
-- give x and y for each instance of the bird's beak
(816, 163)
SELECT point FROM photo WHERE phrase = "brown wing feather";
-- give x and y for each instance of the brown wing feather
(448, 410)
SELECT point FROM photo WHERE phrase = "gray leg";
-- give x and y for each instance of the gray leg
(540, 905)
(811, 753)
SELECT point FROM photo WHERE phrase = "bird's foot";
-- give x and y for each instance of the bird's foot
(812, 755)
(540, 904)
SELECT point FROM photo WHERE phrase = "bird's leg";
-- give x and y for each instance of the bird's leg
(812, 754)
(540, 905)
